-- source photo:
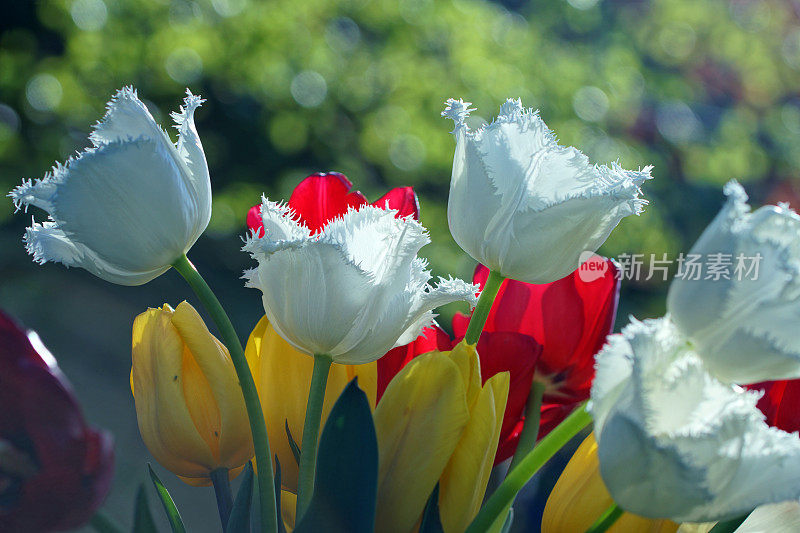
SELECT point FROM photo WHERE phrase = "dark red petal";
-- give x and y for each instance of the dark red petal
(551, 415)
(322, 197)
(403, 199)
(432, 338)
(254, 222)
(780, 403)
(460, 324)
(40, 416)
(517, 354)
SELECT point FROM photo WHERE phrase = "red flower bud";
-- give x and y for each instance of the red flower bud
(55, 471)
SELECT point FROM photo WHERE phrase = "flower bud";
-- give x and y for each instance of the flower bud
(190, 408)
(55, 471)
(744, 321)
(675, 442)
(127, 208)
(526, 207)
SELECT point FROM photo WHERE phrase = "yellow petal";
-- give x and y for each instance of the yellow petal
(463, 483)
(580, 497)
(466, 357)
(165, 422)
(283, 378)
(212, 392)
(419, 422)
(288, 506)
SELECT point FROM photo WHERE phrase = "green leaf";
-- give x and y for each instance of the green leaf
(281, 525)
(103, 524)
(142, 517)
(292, 444)
(239, 521)
(509, 521)
(346, 480)
(431, 523)
(174, 517)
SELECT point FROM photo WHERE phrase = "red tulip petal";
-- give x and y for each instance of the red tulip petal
(551, 415)
(432, 338)
(516, 353)
(254, 222)
(322, 197)
(403, 199)
(41, 417)
(460, 325)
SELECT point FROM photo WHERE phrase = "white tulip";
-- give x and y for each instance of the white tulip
(674, 442)
(745, 327)
(352, 291)
(523, 205)
(131, 205)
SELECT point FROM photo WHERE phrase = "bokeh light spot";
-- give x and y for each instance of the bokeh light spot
(44, 92)
(309, 88)
(89, 15)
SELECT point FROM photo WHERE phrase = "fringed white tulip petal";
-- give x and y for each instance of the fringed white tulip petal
(774, 518)
(447, 290)
(745, 326)
(507, 178)
(129, 191)
(674, 442)
(126, 118)
(280, 224)
(129, 206)
(47, 243)
(311, 293)
(349, 291)
(191, 151)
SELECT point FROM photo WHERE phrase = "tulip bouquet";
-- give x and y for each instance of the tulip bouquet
(350, 409)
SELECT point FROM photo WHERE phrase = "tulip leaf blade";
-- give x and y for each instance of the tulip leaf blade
(509, 521)
(292, 444)
(431, 522)
(239, 520)
(281, 526)
(346, 480)
(142, 517)
(173, 515)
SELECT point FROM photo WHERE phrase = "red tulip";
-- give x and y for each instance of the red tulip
(55, 471)
(548, 332)
(323, 196)
(780, 403)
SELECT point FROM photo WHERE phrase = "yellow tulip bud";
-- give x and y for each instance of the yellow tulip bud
(283, 377)
(580, 497)
(435, 422)
(189, 406)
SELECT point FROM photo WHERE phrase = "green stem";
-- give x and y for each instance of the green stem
(485, 301)
(103, 524)
(527, 467)
(258, 427)
(729, 526)
(308, 448)
(222, 490)
(606, 519)
(530, 429)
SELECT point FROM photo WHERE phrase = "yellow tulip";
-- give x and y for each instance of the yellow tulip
(436, 423)
(189, 406)
(580, 497)
(283, 378)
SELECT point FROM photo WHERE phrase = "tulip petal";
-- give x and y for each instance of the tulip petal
(126, 118)
(165, 422)
(419, 422)
(322, 197)
(675, 442)
(401, 199)
(191, 152)
(214, 390)
(580, 497)
(463, 482)
(283, 378)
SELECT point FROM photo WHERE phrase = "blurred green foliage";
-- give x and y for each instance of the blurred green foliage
(706, 91)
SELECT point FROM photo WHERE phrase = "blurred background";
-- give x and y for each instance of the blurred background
(703, 90)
